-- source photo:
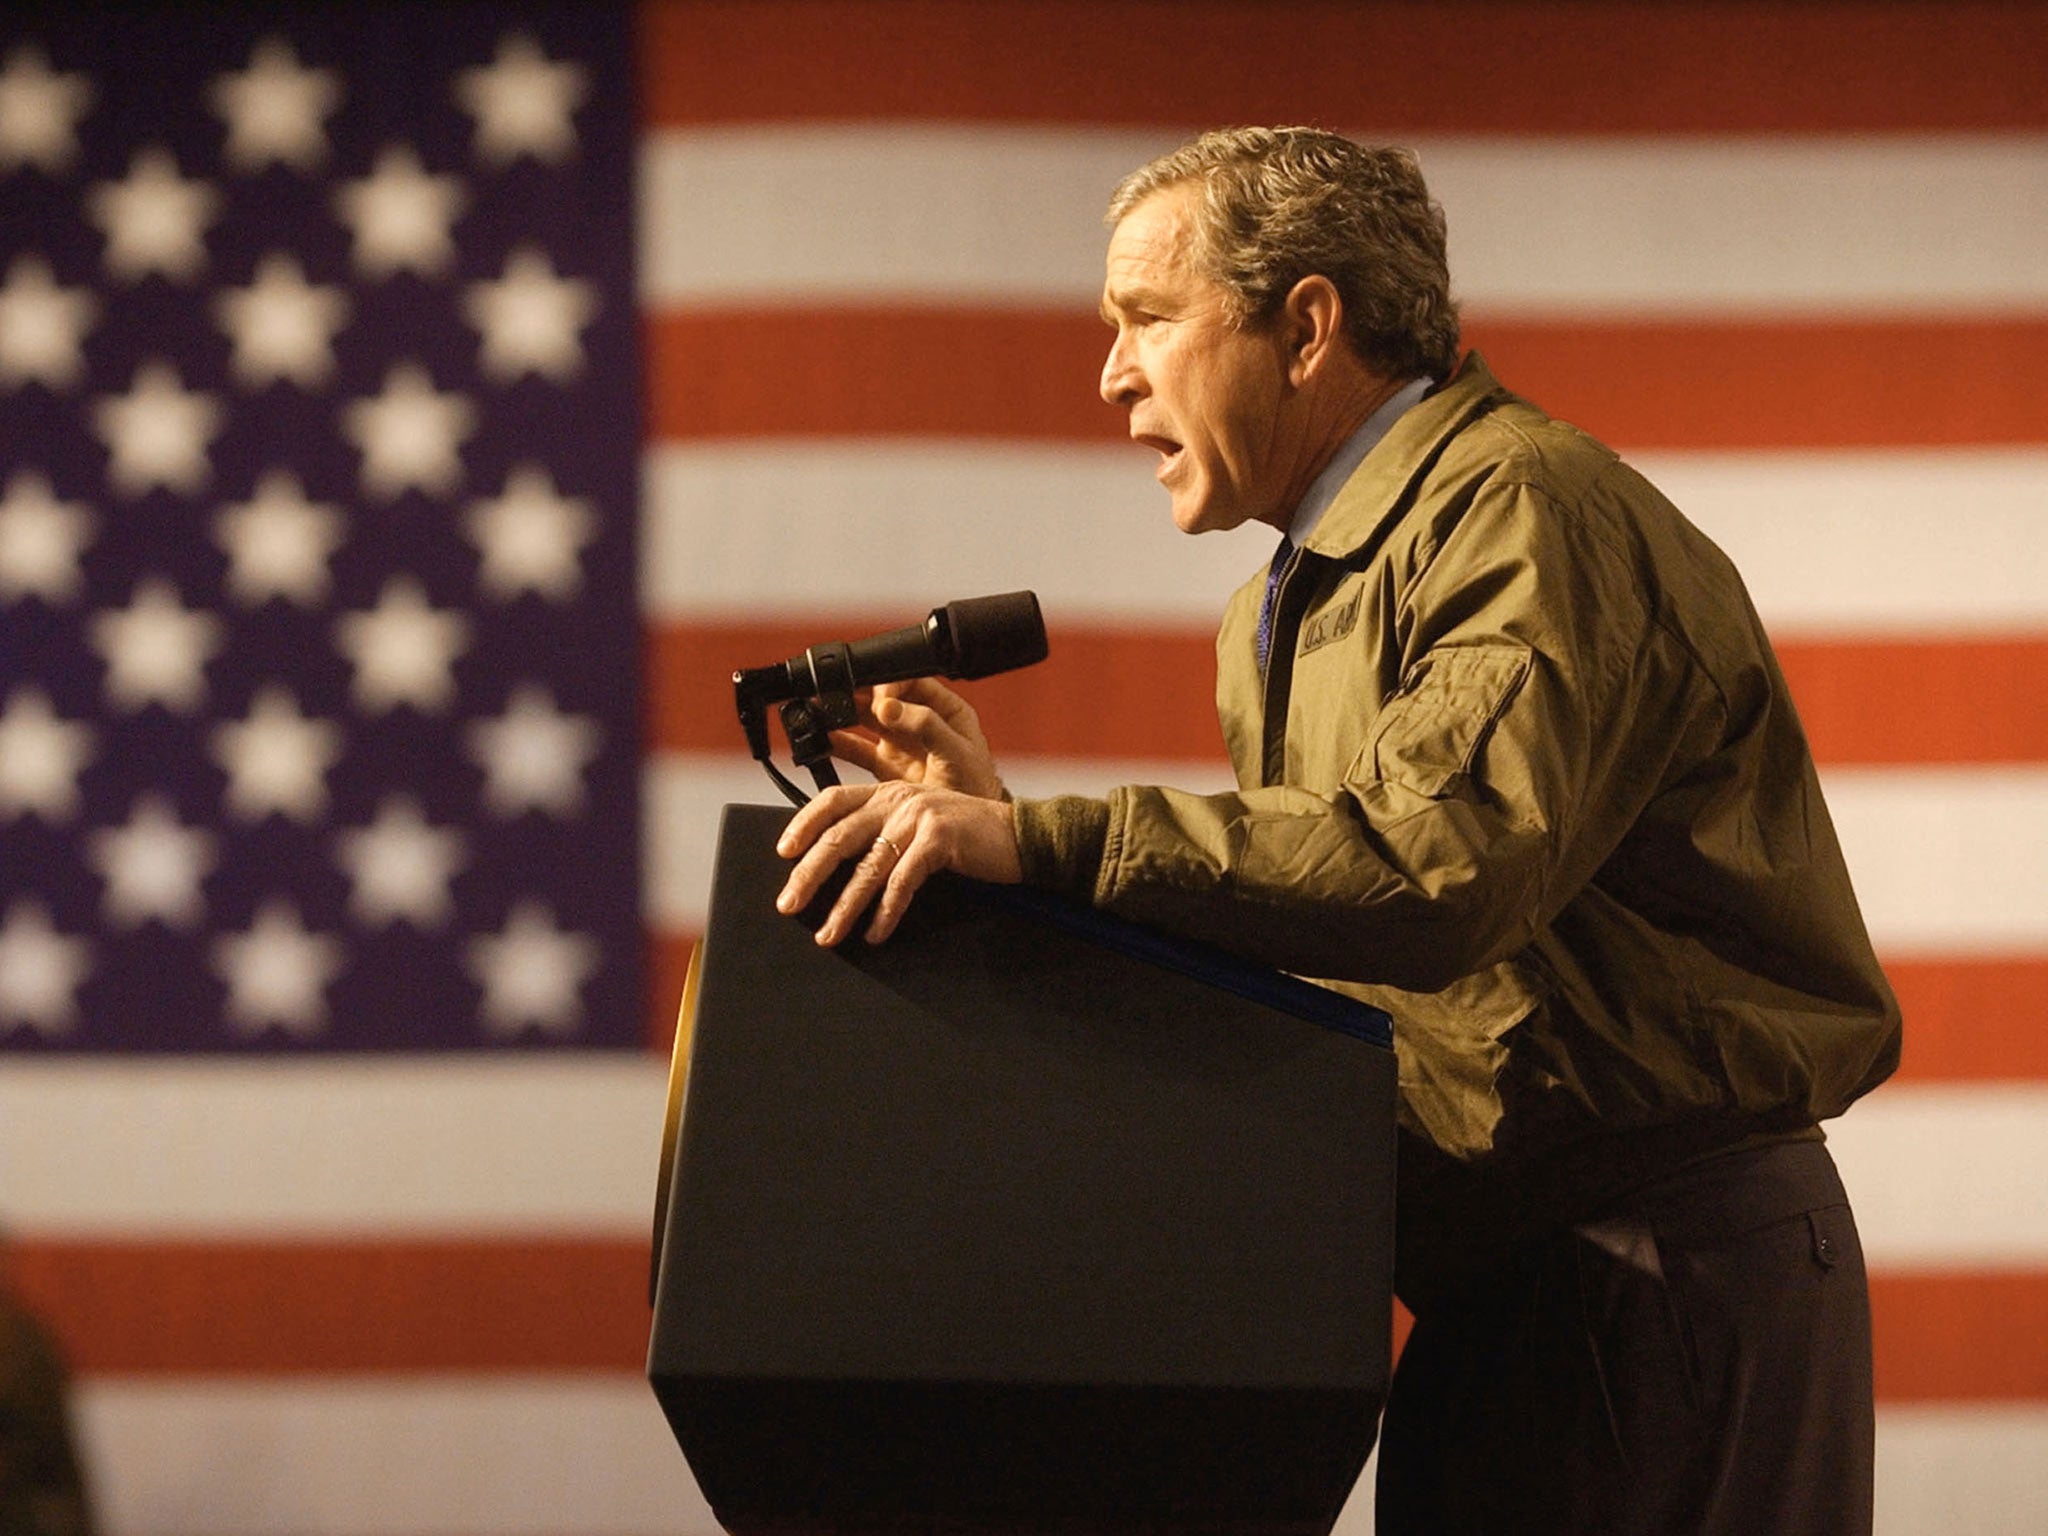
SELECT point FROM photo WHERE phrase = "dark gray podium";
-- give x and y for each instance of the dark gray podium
(1025, 1221)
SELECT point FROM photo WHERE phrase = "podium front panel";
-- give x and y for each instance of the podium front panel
(1000, 1225)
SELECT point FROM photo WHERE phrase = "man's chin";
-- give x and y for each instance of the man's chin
(1193, 513)
(1205, 517)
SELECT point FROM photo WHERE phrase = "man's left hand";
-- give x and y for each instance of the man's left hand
(901, 834)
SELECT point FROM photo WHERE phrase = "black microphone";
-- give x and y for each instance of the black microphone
(972, 637)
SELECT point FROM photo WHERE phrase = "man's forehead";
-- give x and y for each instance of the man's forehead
(1154, 229)
(1148, 249)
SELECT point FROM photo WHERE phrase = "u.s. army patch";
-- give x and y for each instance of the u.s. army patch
(1330, 624)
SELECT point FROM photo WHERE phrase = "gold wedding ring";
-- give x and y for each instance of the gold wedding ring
(881, 841)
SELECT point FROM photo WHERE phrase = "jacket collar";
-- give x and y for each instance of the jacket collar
(1381, 485)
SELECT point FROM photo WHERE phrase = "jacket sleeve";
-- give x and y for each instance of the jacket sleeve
(1539, 708)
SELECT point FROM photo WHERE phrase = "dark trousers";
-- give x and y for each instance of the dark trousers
(1696, 1359)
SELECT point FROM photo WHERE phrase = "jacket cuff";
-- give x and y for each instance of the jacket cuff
(1060, 842)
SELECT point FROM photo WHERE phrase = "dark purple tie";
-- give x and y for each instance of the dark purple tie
(1273, 574)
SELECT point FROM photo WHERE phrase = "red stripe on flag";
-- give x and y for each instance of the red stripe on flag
(1781, 383)
(1149, 694)
(373, 1307)
(1976, 700)
(1943, 1337)
(878, 372)
(1102, 693)
(1962, 1337)
(1973, 1020)
(668, 965)
(1529, 67)
(322, 1307)
(893, 371)
(1967, 1019)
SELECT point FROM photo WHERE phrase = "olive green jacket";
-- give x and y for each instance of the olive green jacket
(1524, 773)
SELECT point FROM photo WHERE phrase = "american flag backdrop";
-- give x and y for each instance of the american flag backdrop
(409, 416)
(320, 423)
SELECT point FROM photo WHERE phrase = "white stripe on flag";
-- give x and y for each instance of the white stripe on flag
(440, 1148)
(1969, 1469)
(1947, 1178)
(786, 215)
(1896, 542)
(390, 1150)
(1891, 542)
(1945, 860)
(682, 794)
(593, 1455)
(1974, 1469)
(419, 1456)
(792, 527)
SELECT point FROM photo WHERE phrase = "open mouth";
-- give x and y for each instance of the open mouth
(1169, 451)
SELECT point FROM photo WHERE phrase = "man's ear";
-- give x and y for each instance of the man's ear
(1312, 321)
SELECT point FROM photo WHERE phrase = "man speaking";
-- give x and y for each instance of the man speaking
(1517, 765)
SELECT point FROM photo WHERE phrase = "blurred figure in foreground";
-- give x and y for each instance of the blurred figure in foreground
(42, 1486)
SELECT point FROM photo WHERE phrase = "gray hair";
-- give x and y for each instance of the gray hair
(1275, 205)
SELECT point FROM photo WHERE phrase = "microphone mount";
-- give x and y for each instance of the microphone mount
(815, 692)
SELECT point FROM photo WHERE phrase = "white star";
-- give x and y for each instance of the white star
(532, 537)
(404, 652)
(277, 759)
(153, 866)
(533, 755)
(40, 969)
(522, 103)
(154, 220)
(159, 432)
(40, 540)
(274, 108)
(282, 326)
(529, 318)
(401, 216)
(410, 435)
(531, 972)
(39, 112)
(276, 972)
(278, 543)
(40, 757)
(156, 648)
(401, 867)
(42, 326)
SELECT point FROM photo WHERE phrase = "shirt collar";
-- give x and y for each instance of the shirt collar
(1324, 488)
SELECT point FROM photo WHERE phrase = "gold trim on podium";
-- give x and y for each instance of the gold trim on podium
(672, 1122)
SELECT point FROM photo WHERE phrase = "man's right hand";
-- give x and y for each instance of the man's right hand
(924, 733)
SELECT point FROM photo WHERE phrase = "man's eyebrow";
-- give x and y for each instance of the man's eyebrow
(1135, 296)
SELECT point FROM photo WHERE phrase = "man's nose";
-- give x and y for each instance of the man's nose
(1120, 377)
